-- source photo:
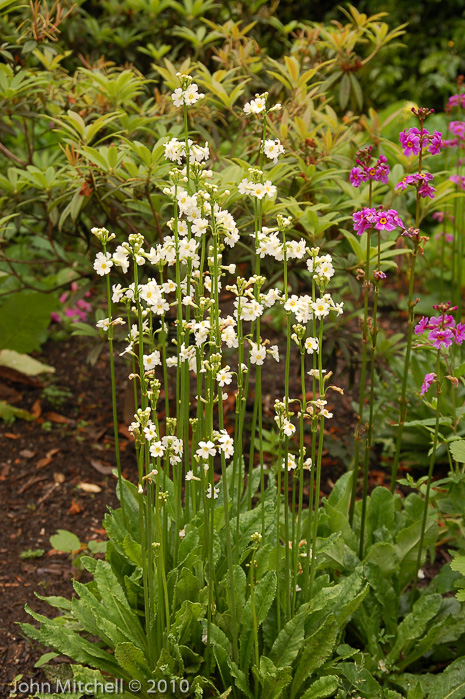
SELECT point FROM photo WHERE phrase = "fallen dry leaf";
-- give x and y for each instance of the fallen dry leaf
(89, 487)
(102, 467)
(27, 454)
(59, 477)
(10, 435)
(44, 462)
(59, 419)
(75, 508)
(36, 409)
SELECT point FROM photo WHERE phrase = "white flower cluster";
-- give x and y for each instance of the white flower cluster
(257, 189)
(269, 243)
(321, 266)
(166, 445)
(175, 151)
(272, 149)
(221, 442)
(188, 94)
(258, 105)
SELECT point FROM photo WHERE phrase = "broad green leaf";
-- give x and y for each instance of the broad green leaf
(24, 317)
(65, 541)
(457, 449)
(272, 678)
(322, 687)
(9, 413)
(45, 658)
(132, 659)
(264, 595)
(289, 641)
(315, 651)
(449, 684)
(414, 624)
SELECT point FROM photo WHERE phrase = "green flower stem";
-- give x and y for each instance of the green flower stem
(430, 476)
(113, 401)
(411, 322)
(303, 410)
(278, 538)
(314, 429)
(254, 611)
(369, 438)
(318, 464)
(363, 373)
(408, 351)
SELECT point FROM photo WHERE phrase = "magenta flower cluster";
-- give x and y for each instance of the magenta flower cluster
(455, 101)
(75, 313)
(419, 180)
(428, 380)
(413, 141)
(378, 219)
(459, 180)
(364, 172)
(442, 331)
(458, 129)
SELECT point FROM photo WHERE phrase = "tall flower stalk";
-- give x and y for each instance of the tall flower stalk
(413, 142)
(442, 334)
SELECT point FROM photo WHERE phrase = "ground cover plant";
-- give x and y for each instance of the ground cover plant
(227, 254)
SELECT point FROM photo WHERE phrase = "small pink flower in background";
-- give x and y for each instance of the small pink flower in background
(428, 380)
(379, 275)
(458, 129)
(459, 180)
(75, 313)
(455, 101)
(448, 237)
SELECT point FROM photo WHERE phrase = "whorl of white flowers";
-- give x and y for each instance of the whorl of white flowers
(188, 94)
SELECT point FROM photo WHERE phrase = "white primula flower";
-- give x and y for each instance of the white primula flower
(272, 149)
(291, 463)
(292, 303)
(312, 345)
(321, 308)
(257, 354)
(121, 258)
(157, 449)
(118, 293)
(206, 449)
(224, 376)
(103, 263)
(103, 324)
(216, 492)
(325, 413)
(288, 428)
(270, 189)
(258, 190)
(150, 431)
(255, 106)
(245, 186)
(229, 336)
(151, 360)
(178, 97)
(174, 149)
(274, 352)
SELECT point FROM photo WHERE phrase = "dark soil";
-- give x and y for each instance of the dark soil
(42, 464)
